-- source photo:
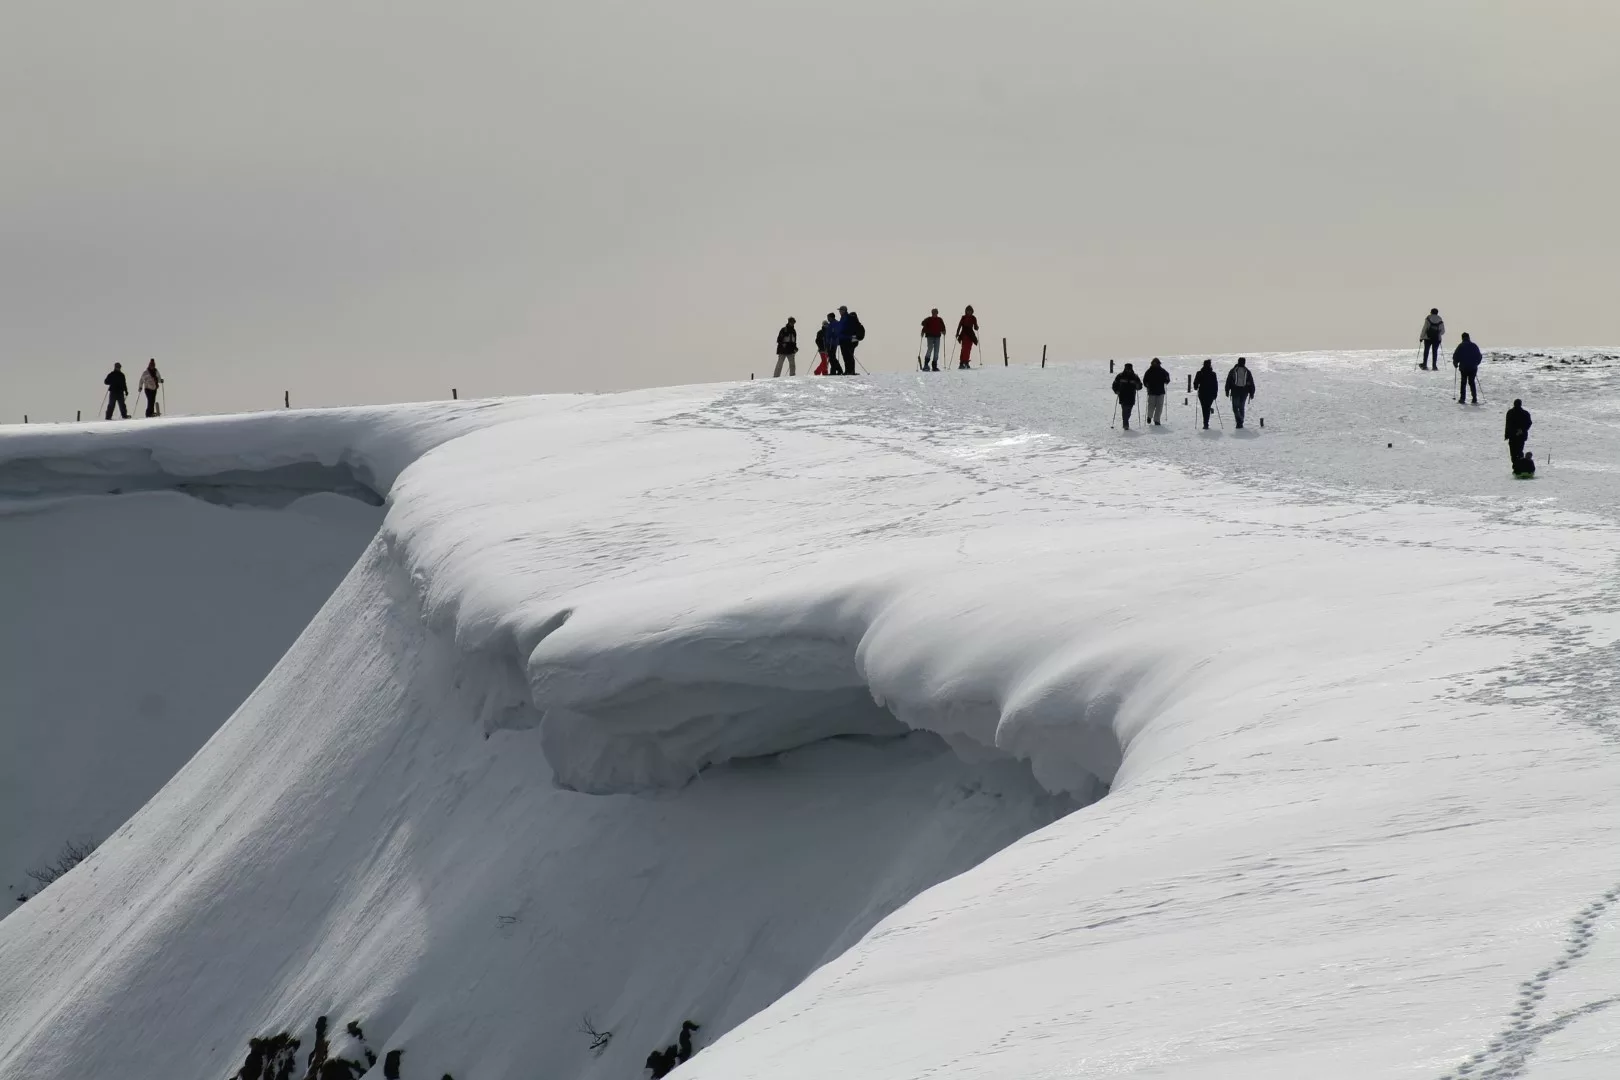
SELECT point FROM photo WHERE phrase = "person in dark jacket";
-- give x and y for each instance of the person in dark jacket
(117, 392)
(1517, 431)
(1466, 360)
(1154, 380)
(1240, 388)
(1126, 384)
(967, 336)
(787, 349)
(850, 334)
(1207, 385)
(933, 329)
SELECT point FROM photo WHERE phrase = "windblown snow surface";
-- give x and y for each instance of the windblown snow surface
(891, 727)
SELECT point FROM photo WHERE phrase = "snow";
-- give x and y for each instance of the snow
(886, 727)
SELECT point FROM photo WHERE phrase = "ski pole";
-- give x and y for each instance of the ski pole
(1113, 414)
(919, 352)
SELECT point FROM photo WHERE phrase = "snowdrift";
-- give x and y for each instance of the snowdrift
(791, 708)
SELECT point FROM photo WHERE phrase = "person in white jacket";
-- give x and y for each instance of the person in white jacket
(150, 381)
(1434, 328)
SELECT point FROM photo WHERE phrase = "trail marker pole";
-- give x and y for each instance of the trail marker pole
(1043, 357)
(1110, 367)
(78, 414)
(1004, 361)
(286, 399)
(454, 396)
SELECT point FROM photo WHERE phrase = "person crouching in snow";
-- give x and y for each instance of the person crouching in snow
(1126, 384)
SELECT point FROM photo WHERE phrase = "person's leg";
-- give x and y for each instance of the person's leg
(1125, 407)
(1205, 405)
(793, 364)
(849, 357)
(1515, 452)
(781, 358)
(123, 410)
(1473, 386)
(967, 354)
(111, 404)
(1240, 404)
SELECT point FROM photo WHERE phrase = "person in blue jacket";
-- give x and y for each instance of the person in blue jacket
(832, 334)
(1466, 360)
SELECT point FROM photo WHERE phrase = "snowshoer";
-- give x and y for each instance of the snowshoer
(787, 349)
(933, 329)
(824, 343)
(835, 335)
(1155, 379)
(1208, 386)
(967, 335)
(117, 391)
(1517, 431)
(1240, 388)
(850, 334)
(1434, 328)
(150, 381)
(1126, 384)
(1466, 360)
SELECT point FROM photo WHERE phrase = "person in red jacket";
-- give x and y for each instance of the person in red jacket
(967, 332)
(933, 329)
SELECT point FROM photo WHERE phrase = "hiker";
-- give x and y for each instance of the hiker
(1466, 360)
(850, 334)
(661, 1062)
(1240, 388)
(150, 381)
(787, 349)
(1126, 384)
(1155, 379)
(834, 330)
(684, 1043)
(824, 343)
(1208, 386)
(117, 391)
(1517, 431)
(933, 329)
(1434, 328)
(967, 335)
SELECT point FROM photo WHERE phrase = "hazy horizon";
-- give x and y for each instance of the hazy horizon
(377, 202)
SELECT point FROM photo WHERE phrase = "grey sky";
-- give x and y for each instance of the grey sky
(360, 200)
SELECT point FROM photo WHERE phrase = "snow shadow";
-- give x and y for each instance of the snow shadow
(119, 472)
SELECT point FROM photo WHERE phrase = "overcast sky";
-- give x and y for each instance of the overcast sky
(377, 200)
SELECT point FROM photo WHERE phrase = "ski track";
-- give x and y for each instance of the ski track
(908, 420)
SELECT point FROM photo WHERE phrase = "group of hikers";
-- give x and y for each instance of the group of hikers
(1466, 358)
(1207, 384)
(118, 390)
(841, 332)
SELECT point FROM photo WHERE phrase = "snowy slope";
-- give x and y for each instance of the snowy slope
(1350, 703)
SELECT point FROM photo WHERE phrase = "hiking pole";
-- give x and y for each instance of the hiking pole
(163, 398)
(919, 353)
(1113, 414)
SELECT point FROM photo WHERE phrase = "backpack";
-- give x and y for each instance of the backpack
(860, 330)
